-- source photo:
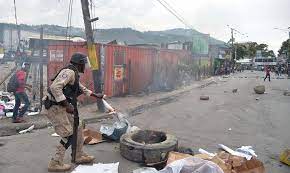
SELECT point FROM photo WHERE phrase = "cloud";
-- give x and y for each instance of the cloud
(257, 18)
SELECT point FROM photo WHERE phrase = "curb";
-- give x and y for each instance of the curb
(13, 129)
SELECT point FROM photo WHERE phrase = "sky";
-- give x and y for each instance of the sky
(256, 19)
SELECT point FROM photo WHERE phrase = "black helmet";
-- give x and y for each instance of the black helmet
(78, 58)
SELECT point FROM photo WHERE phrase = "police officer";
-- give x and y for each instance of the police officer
(60, 111)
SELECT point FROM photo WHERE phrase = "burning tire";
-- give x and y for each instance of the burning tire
(147, 146)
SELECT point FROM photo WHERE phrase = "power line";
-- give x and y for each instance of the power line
(68, 23)
(69, 19)
(173, 12)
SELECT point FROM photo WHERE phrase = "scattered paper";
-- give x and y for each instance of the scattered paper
(27, 130)
(247, 150)
(97, 168)
(55, 135)
(33, 113)
(202, 151)
(235, 153)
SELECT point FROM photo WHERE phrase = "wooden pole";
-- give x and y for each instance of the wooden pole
(94, 60)
(41, 68)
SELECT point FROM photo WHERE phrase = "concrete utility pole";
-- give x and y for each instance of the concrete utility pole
(232, 40)
(94, 60)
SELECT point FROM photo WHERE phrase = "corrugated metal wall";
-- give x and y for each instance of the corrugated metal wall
(142, 67)
(68, 50)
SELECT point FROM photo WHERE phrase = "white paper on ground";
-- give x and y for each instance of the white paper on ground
(145, 170)
(33, 113)
(97, 168)
(9, 114)
(27, 130)
(54, 135)
(202, 151)
(247, 150)
(235, 153)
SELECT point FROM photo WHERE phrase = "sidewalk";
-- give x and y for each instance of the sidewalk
(130, 105)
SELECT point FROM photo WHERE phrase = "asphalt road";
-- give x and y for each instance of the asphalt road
(262, 123)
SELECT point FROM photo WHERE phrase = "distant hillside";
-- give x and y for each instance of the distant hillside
(47, 29)
(127, 35)
(131, 36)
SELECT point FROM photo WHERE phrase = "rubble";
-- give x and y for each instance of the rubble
(285, 157)
(286, 93)
(92, 137)
(186, 165)
(185, 150)
(235, 153)
(173, 156)
(260, 89)
(204, 97)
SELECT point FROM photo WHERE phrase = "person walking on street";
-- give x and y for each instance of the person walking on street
(268, 70)
(280, 70)
(20, 94)
(58, 103)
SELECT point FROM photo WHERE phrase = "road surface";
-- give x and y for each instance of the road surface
(243, 118)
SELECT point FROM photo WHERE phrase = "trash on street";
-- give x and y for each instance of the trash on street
(260, 89)
(286, 93)
(115, 131)
(204, 97)
(145, 170)
(247, 150)
(173, 156)
(235, 153)
(27, 130)
(285, 157)
(32, 113)
(202, 151)
(97, 168)
(186, 165)
(55, 135)
(92, 137)
(235, 90)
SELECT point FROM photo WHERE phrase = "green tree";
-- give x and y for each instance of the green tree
(285, 48)
(241, 51)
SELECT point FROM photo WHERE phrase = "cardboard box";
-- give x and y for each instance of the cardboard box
(173, 156)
